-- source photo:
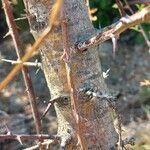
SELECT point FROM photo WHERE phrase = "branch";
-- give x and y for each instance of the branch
(29, 64)
(26, 137)
(132, 2)
(27, 80)
(52, 101)
(115, 29)
(20, 137)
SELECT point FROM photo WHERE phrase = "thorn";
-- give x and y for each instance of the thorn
(30, 64)
(105, 74)
(37, 71)
(5, 60)
(114, 42)
(46, 110)
(7, 34)
(22, 18)
(19, 139)
(8, 130)
(47, 146)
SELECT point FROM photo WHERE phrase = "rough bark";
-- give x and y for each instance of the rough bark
(97, 124)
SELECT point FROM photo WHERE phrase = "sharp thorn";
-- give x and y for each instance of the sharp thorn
(19, 139)
(7, 34)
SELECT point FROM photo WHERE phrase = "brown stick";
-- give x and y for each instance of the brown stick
(27, 137)
(70, 78)
(132, 2)
(29, 64)
(27, 80)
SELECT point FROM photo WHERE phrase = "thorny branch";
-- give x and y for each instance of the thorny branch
(131, 2)
(46, 139)
(28, 83)
(21, 137)
(29, 64)
(70, 78)
(105, 34)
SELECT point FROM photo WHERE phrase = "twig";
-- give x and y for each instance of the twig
(132, 2)
(115, 29)
(27, 80)
(52, 101)
(141, 28)
(29, 64)
(121, 10)
(22, 18)
(46, 110)
(27, 137)
(70, 78)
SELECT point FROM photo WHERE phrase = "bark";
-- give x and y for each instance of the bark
(97, 125)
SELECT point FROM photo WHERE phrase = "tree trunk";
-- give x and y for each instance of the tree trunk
(97, 125)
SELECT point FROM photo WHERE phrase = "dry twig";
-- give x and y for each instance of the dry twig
(133, 2)
(21, 137)
(120, 7)
(115, 29)
(29, 64)
(27, 80)
(70, 78)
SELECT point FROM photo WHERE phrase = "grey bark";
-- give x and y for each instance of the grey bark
(98, 130)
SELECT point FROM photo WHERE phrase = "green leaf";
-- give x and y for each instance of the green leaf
(115, 6)
(140, 6)
(135, 28)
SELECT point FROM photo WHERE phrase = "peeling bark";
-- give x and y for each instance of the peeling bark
(97, 124)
